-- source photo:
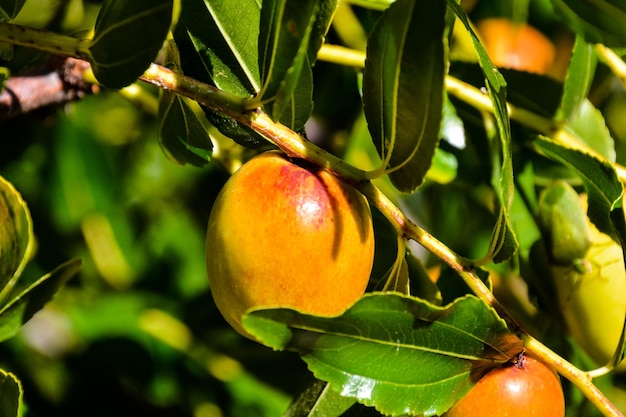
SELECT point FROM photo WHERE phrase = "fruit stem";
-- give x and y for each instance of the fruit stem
(481, 101)
(43, 40)
(579, 378)
(612, 60)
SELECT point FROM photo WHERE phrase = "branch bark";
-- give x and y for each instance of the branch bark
(57, 82)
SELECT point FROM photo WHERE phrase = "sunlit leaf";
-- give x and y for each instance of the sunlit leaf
(15, 233)
(21, 307)
(10, 395)
(318, 400)
(403, 88)
(503, 242)
(223, 35)
(598, 21)
(10, 8)
(587, 124)
(396, 353)
(127, 37)
(579, 76)
(601, 182)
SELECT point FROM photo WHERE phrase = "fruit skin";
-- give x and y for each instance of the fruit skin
(282, 234)
(526, 388)
(516, 46)
(593, 302)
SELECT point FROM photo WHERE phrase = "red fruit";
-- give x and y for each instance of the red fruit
(526, 388)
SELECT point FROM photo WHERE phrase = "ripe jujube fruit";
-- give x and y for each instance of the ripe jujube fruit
(516, 46)
(285, 234)
(524, 388)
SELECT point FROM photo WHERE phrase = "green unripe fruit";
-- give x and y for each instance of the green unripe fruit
(593, 302)
(564, 224)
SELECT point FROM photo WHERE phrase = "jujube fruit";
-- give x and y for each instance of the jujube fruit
(525, 388)
(516, 46)
(282, 233)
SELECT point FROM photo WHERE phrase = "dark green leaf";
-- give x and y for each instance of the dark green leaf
(127, 37)
(503, 242)
(27, 302)
(323, 19)
(223, 35)
(10, 8)
(181, 134)
(598, 21)
(295, 110)
(399, 354)
(285, 30)
(10, 395)
(15, 233)
(601, 182)
(579, 76)
(403, 88)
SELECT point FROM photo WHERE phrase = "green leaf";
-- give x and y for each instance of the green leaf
(503, 241)
(399, 354)
(10, 8)
(127, 37)
(323, 19)
(579, 76)
(601, 182)
(224, 35)
(28, 301)
(10, 395)
(588, 125)
(598, 21)
(181, 133)
(285, 30)
(403, 88)
(319, 400)
(16, 234)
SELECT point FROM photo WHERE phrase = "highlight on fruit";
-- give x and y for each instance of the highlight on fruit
(285, 234)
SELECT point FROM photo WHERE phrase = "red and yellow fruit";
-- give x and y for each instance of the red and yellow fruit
(283, 234)
(521, 389)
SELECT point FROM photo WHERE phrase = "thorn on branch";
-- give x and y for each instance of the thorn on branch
(56, 83)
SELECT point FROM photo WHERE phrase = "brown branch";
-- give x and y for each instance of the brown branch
(58, 82)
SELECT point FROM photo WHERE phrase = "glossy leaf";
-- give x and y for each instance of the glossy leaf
(21, 307)
(10, 8)
(10, 395)
(601, 182)
(579, 76)
(224, 35)
(598, 21)
(396, 353)
(181, 133)
(403, 88)
(15, 233)
(319, 400)
(127, 37)
(503, 242)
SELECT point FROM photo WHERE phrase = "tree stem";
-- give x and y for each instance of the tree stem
(43, 40)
